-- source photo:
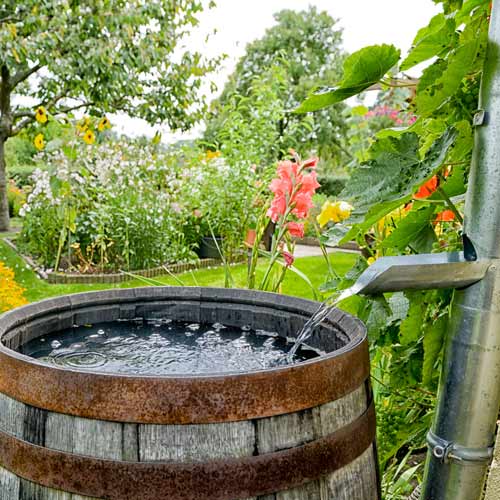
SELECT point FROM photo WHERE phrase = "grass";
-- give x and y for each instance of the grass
(314, 268)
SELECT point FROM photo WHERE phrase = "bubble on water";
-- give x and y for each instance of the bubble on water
(265, 333)
(101, 332)
(55, 344)
(180, 348)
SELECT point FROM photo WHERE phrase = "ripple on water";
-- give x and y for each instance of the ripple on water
(164, 347)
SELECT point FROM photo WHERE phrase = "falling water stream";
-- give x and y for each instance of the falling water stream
(318, 317)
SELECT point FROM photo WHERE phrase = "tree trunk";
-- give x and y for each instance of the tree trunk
(4, 204)
(5, 133)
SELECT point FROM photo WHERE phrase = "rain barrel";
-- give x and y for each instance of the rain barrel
(296, 432)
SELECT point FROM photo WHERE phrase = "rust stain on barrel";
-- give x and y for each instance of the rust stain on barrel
(171, 400)
(213, 480)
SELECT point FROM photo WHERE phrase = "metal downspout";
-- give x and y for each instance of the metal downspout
(469, 396)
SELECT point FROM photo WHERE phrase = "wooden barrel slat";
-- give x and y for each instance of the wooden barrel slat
(180, 443)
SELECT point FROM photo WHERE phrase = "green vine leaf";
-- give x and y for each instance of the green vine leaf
(431, 41)
(441, 81)
(362, 69)
(411, 230)
(334, 235)
(395, 170)
(411, 327)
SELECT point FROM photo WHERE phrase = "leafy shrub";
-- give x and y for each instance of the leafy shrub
(16, 198)
(22, 174)
(108, 207)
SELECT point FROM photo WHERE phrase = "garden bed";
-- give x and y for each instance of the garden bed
(73, 278)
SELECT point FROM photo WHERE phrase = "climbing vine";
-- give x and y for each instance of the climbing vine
(408, 197)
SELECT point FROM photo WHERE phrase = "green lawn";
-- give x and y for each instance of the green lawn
(314, 267)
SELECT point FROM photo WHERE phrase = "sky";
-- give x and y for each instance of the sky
(364, 22)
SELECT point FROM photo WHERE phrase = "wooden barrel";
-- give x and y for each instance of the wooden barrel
(291, 433)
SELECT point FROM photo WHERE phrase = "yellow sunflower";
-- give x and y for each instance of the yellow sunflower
(83, 125)
(39, 142)
(89, 137)
(41, 115)
(103, 124)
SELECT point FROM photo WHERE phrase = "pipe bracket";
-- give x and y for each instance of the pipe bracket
(446, 451)
(480, 118)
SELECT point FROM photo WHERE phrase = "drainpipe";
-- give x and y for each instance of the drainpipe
(462, 436)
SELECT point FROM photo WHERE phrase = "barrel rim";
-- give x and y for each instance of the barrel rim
(182, 398)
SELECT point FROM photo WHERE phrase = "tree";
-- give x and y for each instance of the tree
(305, 44)
(106, 56)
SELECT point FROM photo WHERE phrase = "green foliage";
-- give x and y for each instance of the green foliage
(434, 39)
(300, 46)
(331, 185)
(412, 231)
(106, 56)
(403, 180)
(443, 79)
(75, 45)
(362, 69)
(395, 170)
(110, 207)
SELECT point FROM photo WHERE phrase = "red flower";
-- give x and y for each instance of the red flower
(428, 188)
(289, 258)
(445, 216)
(296, 229)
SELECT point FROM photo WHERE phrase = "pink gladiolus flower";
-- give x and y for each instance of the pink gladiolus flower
(309, 183)
(293, 189)
(311, 163)
(289, 258)
(296, 229)
(302, 204)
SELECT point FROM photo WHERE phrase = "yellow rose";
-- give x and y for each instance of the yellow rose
(335, 212)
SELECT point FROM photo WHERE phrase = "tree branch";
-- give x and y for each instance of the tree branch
(30, 117)
(73, 108)
(20, 76)
(9, 19)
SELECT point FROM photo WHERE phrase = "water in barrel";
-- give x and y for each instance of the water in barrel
(165, 347)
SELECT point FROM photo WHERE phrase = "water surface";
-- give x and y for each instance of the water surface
(164, 347)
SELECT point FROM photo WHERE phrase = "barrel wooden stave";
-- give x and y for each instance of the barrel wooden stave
(197, 442)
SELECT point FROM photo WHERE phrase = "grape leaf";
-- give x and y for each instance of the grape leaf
(431, 41)
(411, 326)
(395, 170)
(410, 229)
(362, 69)
(442, 80)
(334, 235)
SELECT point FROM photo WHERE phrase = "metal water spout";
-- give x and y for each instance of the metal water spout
(420, 272)
(462, 436)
